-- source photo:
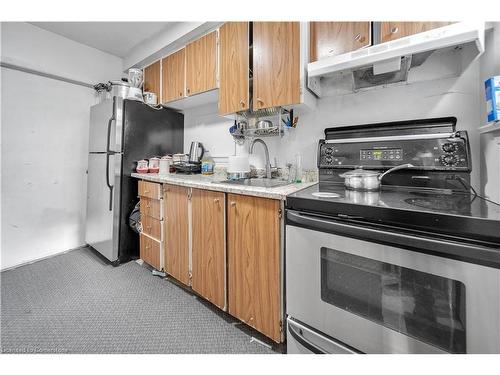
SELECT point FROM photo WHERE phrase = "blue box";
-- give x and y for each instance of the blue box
(492, 88)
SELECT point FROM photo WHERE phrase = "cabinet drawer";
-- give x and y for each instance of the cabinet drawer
(150, 251)
(151, 227)
(151, 207)
(149, 189)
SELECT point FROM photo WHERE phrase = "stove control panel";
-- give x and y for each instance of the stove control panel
(442, 152)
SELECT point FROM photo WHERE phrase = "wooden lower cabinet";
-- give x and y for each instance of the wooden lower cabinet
(177, 232)
(150, 251)
(208, 246)
(253, 226)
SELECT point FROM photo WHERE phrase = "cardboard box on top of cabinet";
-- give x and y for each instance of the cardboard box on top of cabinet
(492, 87)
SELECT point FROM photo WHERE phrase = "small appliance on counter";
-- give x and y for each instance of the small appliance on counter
(190, 163)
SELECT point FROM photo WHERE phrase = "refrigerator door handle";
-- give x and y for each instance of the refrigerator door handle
(108, 183)
(110, 121)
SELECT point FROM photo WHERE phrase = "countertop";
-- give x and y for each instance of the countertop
(210, 183)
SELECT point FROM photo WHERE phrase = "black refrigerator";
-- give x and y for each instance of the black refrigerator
(121, 133)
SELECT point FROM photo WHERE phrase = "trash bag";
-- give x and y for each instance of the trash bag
(134, 220)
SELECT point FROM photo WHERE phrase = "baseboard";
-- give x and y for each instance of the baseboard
(42, 258)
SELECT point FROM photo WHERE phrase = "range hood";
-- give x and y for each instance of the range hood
(390, 62)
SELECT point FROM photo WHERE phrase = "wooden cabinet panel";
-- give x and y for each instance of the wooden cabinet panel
(152, 78)
(149, 190)
(177, 232)
(276, 64)
(151, 226)
(208, 251)
(201, 62)
(174, 76)
(335, 38)
(151, 207)
(150, 251)
(395, 30)
(234, 65)
(253, 262)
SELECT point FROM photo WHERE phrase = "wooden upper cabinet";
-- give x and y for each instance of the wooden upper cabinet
(395, 30)
(276, 64)
(174, 76)
(201, 64)
(177, 232)
(253, 227)
(208, 246)
(152, 75)
(234, 65)
(335, 38)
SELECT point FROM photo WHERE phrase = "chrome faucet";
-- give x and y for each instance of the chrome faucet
(266, 150)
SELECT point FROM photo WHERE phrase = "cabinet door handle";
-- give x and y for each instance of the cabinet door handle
(357, 37)
(394, 30)
(187, 90)
(259, 100)
(242, 103)
(216, 200)
(233, 204)
(146, 191)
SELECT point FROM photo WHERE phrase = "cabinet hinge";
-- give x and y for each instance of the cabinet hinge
(281, 325)
(280, 213)
(190, 193)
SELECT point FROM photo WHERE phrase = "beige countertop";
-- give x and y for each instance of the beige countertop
(210, 183)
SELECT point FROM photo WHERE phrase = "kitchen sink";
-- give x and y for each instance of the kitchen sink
(257, 182)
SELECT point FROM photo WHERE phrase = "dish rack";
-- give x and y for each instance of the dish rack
(249, 133)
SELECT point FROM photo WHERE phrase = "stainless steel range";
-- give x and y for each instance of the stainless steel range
(411, 268)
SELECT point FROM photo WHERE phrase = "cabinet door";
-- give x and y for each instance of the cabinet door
(208, 251)
(253, 262)
(201, 62)
(276, 64)
(152, 78)
(174, 76)
(395, 30)
(234, 65)
(177, 232)
(335, 38)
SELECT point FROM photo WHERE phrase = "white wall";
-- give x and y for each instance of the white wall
(45, 141)
(455, 96)
(490, 142)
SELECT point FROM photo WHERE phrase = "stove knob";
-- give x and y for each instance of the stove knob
(448, 160)
(329, 159)
(329, 151)
(450, 147)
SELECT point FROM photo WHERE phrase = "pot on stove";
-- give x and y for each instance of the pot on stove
(365, 180)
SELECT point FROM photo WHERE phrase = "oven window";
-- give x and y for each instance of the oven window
(426, 307)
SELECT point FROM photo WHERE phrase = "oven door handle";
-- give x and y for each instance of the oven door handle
(456, 250)
(302, 341)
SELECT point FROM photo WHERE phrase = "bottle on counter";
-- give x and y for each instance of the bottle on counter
(298, 168)
(207, 164)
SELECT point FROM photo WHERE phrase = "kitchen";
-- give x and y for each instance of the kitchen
(278, 183)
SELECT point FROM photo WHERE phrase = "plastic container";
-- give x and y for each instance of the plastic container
(207, 164)
(165, 164)
(154, 165)
(142, 166)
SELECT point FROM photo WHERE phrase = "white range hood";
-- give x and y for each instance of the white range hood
(390, 62)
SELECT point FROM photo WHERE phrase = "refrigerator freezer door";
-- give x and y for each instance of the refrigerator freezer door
(106, 126)
(103, 203)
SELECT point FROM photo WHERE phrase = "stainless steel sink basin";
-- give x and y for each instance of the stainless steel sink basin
(258, 182)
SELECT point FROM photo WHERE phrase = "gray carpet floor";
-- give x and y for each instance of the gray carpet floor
(77, 303)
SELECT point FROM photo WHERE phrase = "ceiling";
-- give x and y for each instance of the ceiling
(116, 38)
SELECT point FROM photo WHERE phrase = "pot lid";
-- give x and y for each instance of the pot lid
(360, 172)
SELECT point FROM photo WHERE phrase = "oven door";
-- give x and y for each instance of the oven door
(379, 298)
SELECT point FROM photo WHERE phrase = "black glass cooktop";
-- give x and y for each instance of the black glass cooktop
(433, 210)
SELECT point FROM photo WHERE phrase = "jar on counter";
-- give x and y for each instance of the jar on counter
(154, 165)
(207, 164)
(142, 166)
